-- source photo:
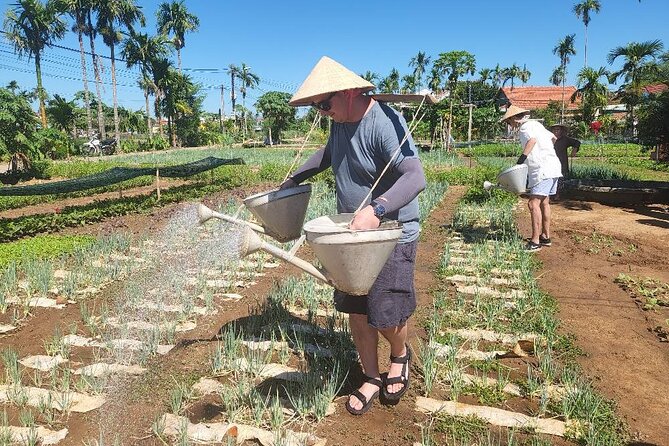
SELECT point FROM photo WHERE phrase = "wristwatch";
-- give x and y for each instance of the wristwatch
(379, 209)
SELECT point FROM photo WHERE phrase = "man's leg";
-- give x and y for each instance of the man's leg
(534, 205)
(366, 341)
(546, 217)
(397, 337)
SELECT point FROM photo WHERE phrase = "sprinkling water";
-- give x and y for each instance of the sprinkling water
(164, 298)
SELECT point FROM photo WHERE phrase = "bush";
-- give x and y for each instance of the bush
(54, 143)
(41, 169)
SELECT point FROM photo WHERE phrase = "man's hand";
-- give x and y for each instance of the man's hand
(365, 219)
(288, 184)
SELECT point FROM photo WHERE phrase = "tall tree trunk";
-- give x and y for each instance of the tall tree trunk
(159, 116)
(96, 70)
(564, 75)
(87, 100)
(117, 133)
(179, 59)
(232, 96)
(40, 89)
(149, 130)
(450, 123)
(585, 48)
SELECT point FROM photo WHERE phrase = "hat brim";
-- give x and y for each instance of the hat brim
(306, 101)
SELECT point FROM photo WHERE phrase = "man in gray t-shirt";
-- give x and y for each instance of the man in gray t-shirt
(365, 136)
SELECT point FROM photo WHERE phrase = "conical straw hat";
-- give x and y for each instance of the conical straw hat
(326, 77)
(512, 111)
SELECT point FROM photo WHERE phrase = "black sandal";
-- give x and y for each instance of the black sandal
(402, 379)
(366, 404)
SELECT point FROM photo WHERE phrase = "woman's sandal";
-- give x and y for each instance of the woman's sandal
(366, 404)
(402, 379)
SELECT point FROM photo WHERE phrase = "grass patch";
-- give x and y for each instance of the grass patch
(42, 247)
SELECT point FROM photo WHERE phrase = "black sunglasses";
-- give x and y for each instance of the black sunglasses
(325, 104)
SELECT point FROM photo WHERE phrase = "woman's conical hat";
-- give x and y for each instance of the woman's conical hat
(512, 111)
(326, 77)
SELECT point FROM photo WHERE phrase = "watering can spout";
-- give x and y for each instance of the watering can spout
(487, 185)
(252, 243)
(205, 214)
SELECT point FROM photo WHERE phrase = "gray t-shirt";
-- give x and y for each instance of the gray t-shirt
(358, 153)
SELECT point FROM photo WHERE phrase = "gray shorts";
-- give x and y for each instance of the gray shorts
(545, 187)
(392, 299)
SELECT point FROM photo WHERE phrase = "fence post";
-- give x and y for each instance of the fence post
(158, 184)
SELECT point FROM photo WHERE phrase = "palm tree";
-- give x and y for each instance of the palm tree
(77, 10)
(112, 16)
(160, 70)
(510, 74)
(556, 76)
(408, 84)
(371, 77)
(582, 11)
(174, 18)
(453, 65)
(235, 72)
(391, 83)
(30, 26)
(485, 74)
(61, 113)
(636, 56)
(524, 74)
(420, 62)
(92, 33)
(564, 49)
(592, 92)
(12, 86)
(248, 80)
(434, 81)
(140, 49)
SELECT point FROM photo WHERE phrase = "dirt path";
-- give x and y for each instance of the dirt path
(592, 245)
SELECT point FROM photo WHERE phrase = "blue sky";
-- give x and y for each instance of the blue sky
(282, 40)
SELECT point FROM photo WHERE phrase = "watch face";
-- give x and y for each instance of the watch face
(379, 210)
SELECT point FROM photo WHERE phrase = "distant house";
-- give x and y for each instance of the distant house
(655, 89)
(534, 98)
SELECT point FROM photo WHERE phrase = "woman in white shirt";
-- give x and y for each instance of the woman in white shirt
(543, 172)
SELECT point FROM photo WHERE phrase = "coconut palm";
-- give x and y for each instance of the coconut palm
(391, 83)
(248, 80)
(114, 15)
(564, 50)
(235, 72)
(174, 18)
(434, 80)
(61, 113)
(92, 33)
(592, 92)
(510, 73)
(420, 62)
(485, 74)
(139, 50)
(30, 26)
(582, 11)
(371, 77)
(77, 10)
(408, 84)
(524, 74)
(454, 64)
(637, 58)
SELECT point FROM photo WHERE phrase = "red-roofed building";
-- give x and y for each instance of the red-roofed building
(655, 88)
(533, 98)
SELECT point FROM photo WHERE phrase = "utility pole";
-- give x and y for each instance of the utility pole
(221, 112)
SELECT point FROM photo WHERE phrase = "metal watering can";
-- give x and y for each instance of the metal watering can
(513, 179)
(351, 259)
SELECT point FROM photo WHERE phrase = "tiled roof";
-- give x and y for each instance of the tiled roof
(533, 98)
(655, 88)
